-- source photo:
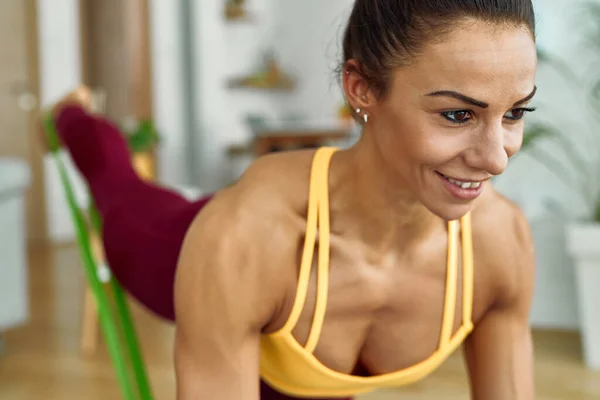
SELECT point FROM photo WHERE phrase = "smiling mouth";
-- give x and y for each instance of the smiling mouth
(460, 183)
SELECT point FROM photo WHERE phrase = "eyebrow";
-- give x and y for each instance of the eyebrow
(475, 102)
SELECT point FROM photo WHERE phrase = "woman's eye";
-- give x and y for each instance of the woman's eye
(458, 117)
(517, 114)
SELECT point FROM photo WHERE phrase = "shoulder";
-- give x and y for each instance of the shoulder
(245, 239)
(272, 187)
(503, 248)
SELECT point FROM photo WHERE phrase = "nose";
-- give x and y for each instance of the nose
(488, 151)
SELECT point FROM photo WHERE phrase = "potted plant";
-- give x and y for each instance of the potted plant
(142, 138)
(578, 167)
(583, 236)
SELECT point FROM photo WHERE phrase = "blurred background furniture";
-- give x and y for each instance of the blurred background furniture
(288, 134)
(15, 179)
(295, 137)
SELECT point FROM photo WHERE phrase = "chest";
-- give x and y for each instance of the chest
(384, 314)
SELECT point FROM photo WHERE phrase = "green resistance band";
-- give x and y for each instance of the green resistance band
(115, 317)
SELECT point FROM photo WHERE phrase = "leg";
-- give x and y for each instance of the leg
(143, 224)
(90, 329)
(268, 393)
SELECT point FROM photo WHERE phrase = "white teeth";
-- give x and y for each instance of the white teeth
(464, 185)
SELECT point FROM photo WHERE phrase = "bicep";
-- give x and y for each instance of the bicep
(499, 352)
(205, 370)
(217, 331)
(499, 357)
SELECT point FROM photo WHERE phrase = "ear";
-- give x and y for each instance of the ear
(356, 88)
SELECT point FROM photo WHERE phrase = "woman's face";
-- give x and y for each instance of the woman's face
(454, 116)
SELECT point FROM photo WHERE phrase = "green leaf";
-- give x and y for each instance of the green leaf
(591, 11)
(543, 56)
(143, 138)
(597, 213)
(589, 19)
(535, 132)
(595, 92)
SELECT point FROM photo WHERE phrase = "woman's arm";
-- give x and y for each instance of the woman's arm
(221, 306)
(499, 352)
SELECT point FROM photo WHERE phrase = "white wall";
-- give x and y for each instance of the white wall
(59, 48)
(224, 50)
(309, 40)
(166, 45)
(60, 72)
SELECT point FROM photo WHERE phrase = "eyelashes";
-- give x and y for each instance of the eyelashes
(522, 111)
(463, 116)
(457, 117)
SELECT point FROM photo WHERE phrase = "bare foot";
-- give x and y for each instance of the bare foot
(82, 96)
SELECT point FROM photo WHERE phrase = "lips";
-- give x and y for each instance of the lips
(465, 190)
(464, 184)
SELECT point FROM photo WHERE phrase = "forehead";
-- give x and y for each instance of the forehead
(481, 60)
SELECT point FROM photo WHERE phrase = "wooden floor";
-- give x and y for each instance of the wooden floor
(42, 360)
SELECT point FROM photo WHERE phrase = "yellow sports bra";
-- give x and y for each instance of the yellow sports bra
(294, 370)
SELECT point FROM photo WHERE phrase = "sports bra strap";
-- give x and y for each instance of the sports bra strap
(451, 281)
(318, 173)
(468, 279)
(324, 246)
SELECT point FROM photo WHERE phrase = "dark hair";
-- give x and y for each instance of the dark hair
(384, 34)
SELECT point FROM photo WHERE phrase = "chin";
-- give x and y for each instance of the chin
(450, 212)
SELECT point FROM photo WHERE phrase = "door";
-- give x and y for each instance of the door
(18, 103)
(116, 55)
(116, 58)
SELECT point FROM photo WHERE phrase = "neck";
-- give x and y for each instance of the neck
(372, 206)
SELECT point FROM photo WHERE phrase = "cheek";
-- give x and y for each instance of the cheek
(440, 145)
(396, 134)
(415, 139)
(429, 149)
(512, 142)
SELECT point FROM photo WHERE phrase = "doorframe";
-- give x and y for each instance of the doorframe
(134, 18)
(36, 149)
(140, 89)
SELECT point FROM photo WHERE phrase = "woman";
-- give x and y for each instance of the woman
(441, 88)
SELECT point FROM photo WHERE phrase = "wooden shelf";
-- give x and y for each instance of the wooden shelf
(283, 84)
(243, 19)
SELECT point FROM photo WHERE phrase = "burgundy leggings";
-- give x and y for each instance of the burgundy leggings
(143, 224)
